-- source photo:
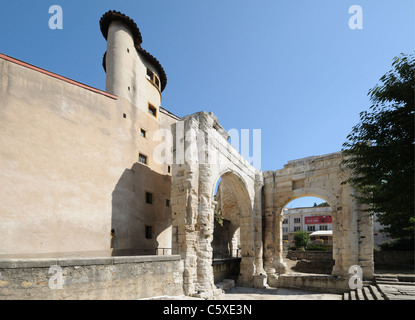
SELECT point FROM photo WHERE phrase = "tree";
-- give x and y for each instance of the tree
(301, 239)
(380, 150)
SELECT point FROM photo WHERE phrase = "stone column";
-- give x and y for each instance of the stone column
(260, 278)
(346, 246)
(205, 226)
(269, 250)
(278, 263)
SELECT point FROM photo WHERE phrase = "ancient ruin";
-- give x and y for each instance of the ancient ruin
(81, 179)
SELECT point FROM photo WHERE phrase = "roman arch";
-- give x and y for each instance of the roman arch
(201, 156)
(319, 176)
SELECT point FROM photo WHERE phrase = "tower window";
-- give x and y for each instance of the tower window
(153, 78)
(150, 74)
(149, 232)
(167, 202)
(149, 198)
(143, 133)
(142, 158)
(152, 110)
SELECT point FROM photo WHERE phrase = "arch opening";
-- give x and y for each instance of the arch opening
(232, 212)
(311, 215)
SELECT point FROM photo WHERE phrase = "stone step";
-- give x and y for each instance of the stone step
(370, 292)
(226, 284)
(359, 294)
(367, 294)
(376, 293)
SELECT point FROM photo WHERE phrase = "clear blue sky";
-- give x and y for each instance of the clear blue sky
(293, 69)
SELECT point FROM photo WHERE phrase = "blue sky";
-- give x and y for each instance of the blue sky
(293, 69)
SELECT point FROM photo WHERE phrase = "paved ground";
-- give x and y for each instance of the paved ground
(241, 293)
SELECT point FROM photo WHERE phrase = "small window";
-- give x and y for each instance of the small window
(149, 198)
(124, 115)
(149, 74)
(167, 202)
(142, 158)
(152, 110)
(149, 232)
(296, 229)
(285, 221)
(143, 133)
(168, 169)
(297, 220)
(311, 228)
(153, 78)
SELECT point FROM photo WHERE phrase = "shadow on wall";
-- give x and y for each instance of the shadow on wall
(141, 212)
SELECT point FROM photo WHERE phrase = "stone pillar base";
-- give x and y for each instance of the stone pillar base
(260, 281)
(280, 267)
(214, 294)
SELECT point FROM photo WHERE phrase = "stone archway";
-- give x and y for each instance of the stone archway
(201, 156)
(320, 176)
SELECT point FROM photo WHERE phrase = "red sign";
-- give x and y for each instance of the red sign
(318, 219)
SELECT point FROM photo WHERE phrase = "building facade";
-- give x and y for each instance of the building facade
(316, 221)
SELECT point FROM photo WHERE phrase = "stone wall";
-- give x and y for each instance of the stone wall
(320, 262)
(109, 278)
(226, 269)
(315, 282)
(398, 260)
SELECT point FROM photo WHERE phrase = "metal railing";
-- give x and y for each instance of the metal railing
(226, 254)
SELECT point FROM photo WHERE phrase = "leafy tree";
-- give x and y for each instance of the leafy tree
(380, 150)
(301, 239)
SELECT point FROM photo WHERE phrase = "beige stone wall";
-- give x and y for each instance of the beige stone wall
(69, 168)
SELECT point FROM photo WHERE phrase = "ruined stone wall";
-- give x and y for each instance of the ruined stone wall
(322, 177)
(116, 278)
(193, 184)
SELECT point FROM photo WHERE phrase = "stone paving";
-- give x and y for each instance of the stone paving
(398, 291)
(243, 293)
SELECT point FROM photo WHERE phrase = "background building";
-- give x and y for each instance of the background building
(316, 221)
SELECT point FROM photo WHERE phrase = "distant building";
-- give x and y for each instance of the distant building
(378, 235)
(315, 220)
(318, 222)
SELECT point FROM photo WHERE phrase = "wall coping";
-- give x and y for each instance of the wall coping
(17, 263)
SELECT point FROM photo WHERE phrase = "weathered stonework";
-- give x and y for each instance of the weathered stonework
(193, 204)
(80, 148)
(320, 176)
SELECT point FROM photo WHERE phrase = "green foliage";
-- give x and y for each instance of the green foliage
(317, 248)
(323, 204)
(218, 217)
(398, 244)
(301, 239)
(380, 150)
